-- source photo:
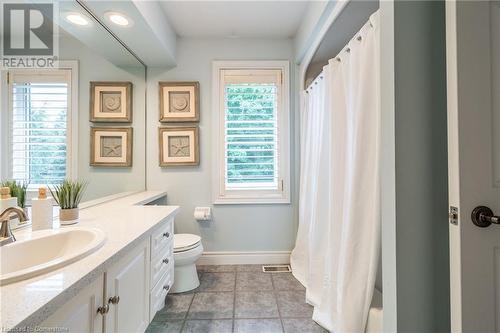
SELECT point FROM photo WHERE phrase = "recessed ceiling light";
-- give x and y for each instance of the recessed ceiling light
(77, 19)
(119, 19)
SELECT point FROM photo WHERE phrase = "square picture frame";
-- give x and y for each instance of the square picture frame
(178, 146)
(111, 102)
(179, 102)
(111, 146)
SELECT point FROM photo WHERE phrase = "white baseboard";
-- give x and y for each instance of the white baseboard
(244, 258)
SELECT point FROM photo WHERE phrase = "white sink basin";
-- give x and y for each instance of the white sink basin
(47, 250)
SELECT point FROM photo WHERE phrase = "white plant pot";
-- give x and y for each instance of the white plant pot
(69, 216)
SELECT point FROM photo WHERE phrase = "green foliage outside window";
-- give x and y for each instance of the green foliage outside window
(251, 133)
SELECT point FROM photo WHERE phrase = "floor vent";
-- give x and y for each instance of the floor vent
(276, 269)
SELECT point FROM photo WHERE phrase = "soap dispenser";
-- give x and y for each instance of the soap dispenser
(41, 211)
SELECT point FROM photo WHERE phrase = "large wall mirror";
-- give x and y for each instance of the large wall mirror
(81, 119)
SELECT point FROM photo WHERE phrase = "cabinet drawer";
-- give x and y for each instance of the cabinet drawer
(163, 261)
(161, 237)
(159, 292)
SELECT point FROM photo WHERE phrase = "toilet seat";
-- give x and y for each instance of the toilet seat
(185, 242)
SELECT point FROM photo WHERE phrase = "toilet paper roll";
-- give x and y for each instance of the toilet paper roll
(199, 215)
(202, 213)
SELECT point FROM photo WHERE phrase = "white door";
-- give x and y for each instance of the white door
(473, 75)
(127, 292)
(80, 313)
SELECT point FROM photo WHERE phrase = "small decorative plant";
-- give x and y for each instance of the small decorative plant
(68, 196)
(18, 190)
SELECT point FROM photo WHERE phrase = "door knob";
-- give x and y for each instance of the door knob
(483, 217)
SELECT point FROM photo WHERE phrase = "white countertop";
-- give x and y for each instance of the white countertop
(124, 219)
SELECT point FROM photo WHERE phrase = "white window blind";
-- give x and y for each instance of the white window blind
(253, 136)
(251, 129)
(39, 103)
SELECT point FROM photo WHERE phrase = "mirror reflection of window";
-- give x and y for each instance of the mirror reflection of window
(39, 106)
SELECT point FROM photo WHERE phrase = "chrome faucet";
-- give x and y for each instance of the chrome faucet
(5, 232)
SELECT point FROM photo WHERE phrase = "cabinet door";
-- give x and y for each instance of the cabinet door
(80, 313)
(128, 279)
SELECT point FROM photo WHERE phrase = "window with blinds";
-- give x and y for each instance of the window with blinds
(39, 126)
(253, 124)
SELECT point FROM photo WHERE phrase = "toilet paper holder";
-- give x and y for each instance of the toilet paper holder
(202, 213)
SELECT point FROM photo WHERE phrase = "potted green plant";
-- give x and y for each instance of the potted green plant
(68, 196)
(18, 190)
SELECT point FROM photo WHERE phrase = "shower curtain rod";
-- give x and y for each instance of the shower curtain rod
(315, 81)
(347, 49)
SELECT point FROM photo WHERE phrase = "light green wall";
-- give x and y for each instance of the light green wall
(92, 67)
(234, 227)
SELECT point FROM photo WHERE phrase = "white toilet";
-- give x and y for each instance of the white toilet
(187, 249)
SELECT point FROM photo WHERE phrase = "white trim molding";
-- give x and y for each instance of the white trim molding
(4, 124)
(72, 155)
(280, 195)
(245, 258)
(455, 231)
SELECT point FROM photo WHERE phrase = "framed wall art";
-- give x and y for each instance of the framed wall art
(111, 146)
(111, 102)
(179, 146)
(179, 102)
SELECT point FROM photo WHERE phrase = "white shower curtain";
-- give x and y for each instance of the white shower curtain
(338, 239)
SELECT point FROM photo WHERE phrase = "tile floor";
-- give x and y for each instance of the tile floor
(239, 299)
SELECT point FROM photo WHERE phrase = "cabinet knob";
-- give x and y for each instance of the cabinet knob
(166, 261)
(166, 234)
(114, 300)
(103, 309)
(166, 287)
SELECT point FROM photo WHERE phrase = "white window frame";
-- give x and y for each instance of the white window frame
(220, 194)
(72, 120)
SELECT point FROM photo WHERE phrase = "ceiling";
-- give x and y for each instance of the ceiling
(94, 36)
(150, 37)
(234, 19)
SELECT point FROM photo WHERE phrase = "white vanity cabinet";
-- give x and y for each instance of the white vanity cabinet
(162, 265)
(80, 313)
(130, 292)
(127, 292)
